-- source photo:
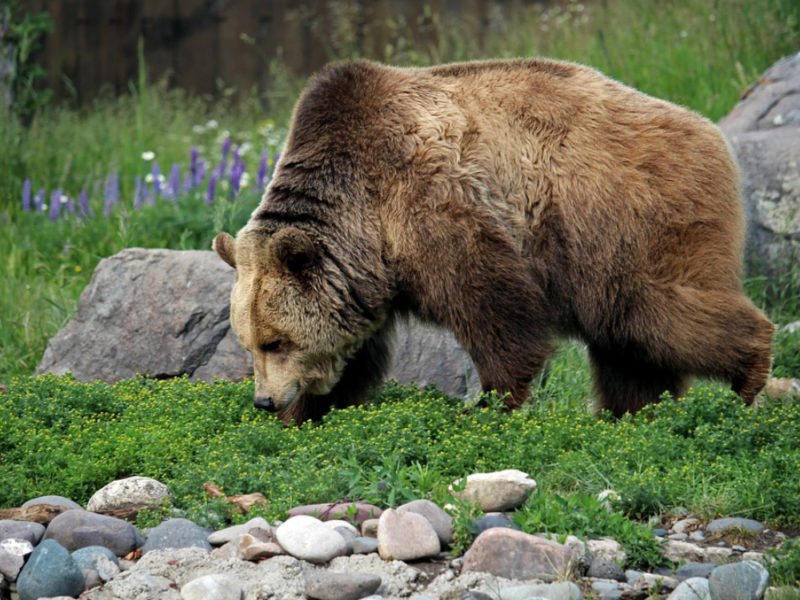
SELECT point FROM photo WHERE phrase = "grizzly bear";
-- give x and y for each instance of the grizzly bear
(513, 202)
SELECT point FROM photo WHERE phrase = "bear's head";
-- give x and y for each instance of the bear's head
(292, 309)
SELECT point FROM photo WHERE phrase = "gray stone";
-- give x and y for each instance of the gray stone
(53, 500)
(307, 538)
(177, 305)
(442, 522)
(606, 590)
(608, 549)
(764, 132)
(562, 590)
(347, 536)
(365, 545)
(98, 559)
(223, 536)
(212, 587)
(605, 569)
(695, 569)
(50, 571)
(677, 551)
(406, 536)
(734, 525)
(718, 555)
(325, 585)
(516, 555)
(21, 530)
(492, 520)
(694, 588)
(75, 529)
(744, 580)
(177, 533)
(131, 492)
(498, 491)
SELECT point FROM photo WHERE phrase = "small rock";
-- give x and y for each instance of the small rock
(697, 536)
(75, 529)
(307, 538)
(562, 590)
(608, 549)
(754, 556)
(177, 533)
(323, 585)
(442, 522)
(53, 500)
(98, 558)
(498, 491)
(694, 588)
(493, 520)
(681, 537)
(685, 525)
(606, 590)
(335, 523)
(21, 530)
(354, 512)
(677, 551)
(516, 555)
(659, 532)
(734, 525)
(223, 536)
(369, 528)
(131, 492)
(406, 536)
(212, 587)
(50, 571)
(260, 550)
(717, 555)
(695, 569)
(744, 580)
(603, 568)
(11, 564)
(365, 545)
(347, 536)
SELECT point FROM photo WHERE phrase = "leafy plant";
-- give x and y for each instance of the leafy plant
(784, 563)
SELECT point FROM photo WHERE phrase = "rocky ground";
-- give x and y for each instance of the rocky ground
(358, 551)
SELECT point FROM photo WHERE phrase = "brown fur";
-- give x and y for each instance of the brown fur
(512, 202)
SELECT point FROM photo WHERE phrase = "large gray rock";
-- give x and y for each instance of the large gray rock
(165, 313)
(764, 132)
(78, 528)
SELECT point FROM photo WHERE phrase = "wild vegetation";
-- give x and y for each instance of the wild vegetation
(707, 453)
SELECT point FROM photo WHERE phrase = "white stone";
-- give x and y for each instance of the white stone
(307, 538)
(498, 491)
(677, 551)
(754, 556)
(684, 525)
(223, 536)
(608, 549)
(16, 546)
(406, 535)
(212, 587)
(717, 555)
(125, 493)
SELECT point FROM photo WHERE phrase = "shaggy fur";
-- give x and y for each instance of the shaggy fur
(511, 202)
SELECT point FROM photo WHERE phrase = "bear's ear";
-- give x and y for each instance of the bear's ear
(225, 247)
(293, 249)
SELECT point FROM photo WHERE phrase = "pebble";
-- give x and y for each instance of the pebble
(694, 588)
(212, 587)
(307, 538)
(131, 492)
(517, 555)
(50, 571)
(744, 580)
(223, 536)
(322, 585)
(75, 529)
(442, 522)
(177, 533)
(406, 536)
(497, 491)
(21, 530)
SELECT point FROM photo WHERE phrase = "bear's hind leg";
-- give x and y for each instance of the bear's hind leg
(625, 383)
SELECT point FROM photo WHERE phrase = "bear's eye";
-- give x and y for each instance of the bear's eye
(270, 347)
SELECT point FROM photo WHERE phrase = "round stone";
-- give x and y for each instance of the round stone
(177, 533)
(307, 538)
(50, 571)
(128, 493)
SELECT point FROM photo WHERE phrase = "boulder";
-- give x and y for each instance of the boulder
(764, 132)
(131, 492)
(516, 555)
(176, 307)
(496, 492)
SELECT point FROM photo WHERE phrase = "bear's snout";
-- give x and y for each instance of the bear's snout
(265, 402)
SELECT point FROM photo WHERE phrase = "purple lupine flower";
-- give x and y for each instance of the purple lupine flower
(55, 204)
(201, 172)
(138, 193)
(26, 195)
(193, 169)
(69, 205)
(226, 146)
(174, 181)
(38, 201)
(156, 172)
(261, 175)
(212, 184)
(83, 204)
(111, 188)
(235, 177)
